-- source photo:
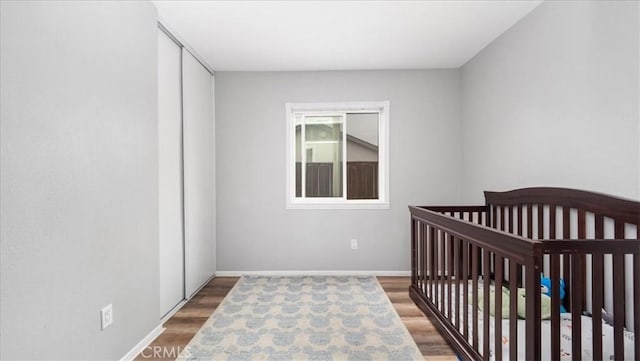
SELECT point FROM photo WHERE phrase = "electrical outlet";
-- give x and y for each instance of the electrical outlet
(106, 315)
(354, 244)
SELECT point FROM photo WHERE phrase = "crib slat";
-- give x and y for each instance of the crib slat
(474, 290)
(510, 219)
(503, 218)
(552, 221)
(498, 304)
(457, 274)
(486, 256)
(566, 222)
(566, 258)
(618, 306)
(596, 301)
(441, 270)
(432, 270)
(422, 257)
(599, 226)
(414, 247)
(599, 233)
(582, 224)
(426, 273)
(465, 289)
(540, 221)
(555, 306)
(425, 257)
(636, 296)
(436, 269)
(449, 276)
(582, 234)
(533, 323)
(494, 216)
(520, 224)
(619, 302)
(513, 310)
(529, 221)
(576, 308)
(426, 261)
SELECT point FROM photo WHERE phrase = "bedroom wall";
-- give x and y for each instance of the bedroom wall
(79, 184)
(554, 101)
(256, 232)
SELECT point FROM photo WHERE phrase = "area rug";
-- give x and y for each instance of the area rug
(304, 318)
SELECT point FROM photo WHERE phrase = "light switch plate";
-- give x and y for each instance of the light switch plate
(106, 315)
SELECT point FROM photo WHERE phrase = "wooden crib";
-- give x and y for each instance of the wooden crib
(589, 240)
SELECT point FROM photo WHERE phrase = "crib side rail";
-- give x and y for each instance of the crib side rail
(455, 260)
(474, 214)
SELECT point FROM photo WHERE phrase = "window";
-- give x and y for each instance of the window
(337, 155)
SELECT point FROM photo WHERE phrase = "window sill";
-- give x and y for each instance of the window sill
(346, 205)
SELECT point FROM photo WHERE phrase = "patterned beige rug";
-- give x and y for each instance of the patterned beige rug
(304, 318)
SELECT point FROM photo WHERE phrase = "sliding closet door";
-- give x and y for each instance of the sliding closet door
(199, 176)
(170, 174)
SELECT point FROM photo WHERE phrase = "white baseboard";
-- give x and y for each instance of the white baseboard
(177, 307)
(135, 351)
(143, 343)
(173, 311)
(214, 275)
(312, 273)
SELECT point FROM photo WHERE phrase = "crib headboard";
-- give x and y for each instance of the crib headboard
(548, 214)
(601, 205)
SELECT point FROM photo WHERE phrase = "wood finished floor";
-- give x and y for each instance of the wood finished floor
(185, 323)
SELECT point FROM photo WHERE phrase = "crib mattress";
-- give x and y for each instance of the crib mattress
(565, 336)
(565, 339)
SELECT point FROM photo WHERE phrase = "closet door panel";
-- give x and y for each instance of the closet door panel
(170, 174)
(199, 176)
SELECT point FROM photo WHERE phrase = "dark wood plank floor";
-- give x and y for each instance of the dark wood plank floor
(185, 323)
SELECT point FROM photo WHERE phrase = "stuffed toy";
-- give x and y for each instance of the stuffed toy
(545, 288)
(492, 301)
(545, 305)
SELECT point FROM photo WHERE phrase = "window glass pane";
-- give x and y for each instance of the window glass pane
(324, 155)
(298, 154)
(362, 155)
(329, 130)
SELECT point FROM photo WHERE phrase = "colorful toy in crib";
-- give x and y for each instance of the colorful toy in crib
(545, 288)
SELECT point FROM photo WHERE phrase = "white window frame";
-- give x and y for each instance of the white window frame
(380, 107)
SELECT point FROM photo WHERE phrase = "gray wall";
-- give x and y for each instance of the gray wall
(79, 185)
(256, 232)
(554, 101)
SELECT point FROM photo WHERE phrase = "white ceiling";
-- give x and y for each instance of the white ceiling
(339, 35)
